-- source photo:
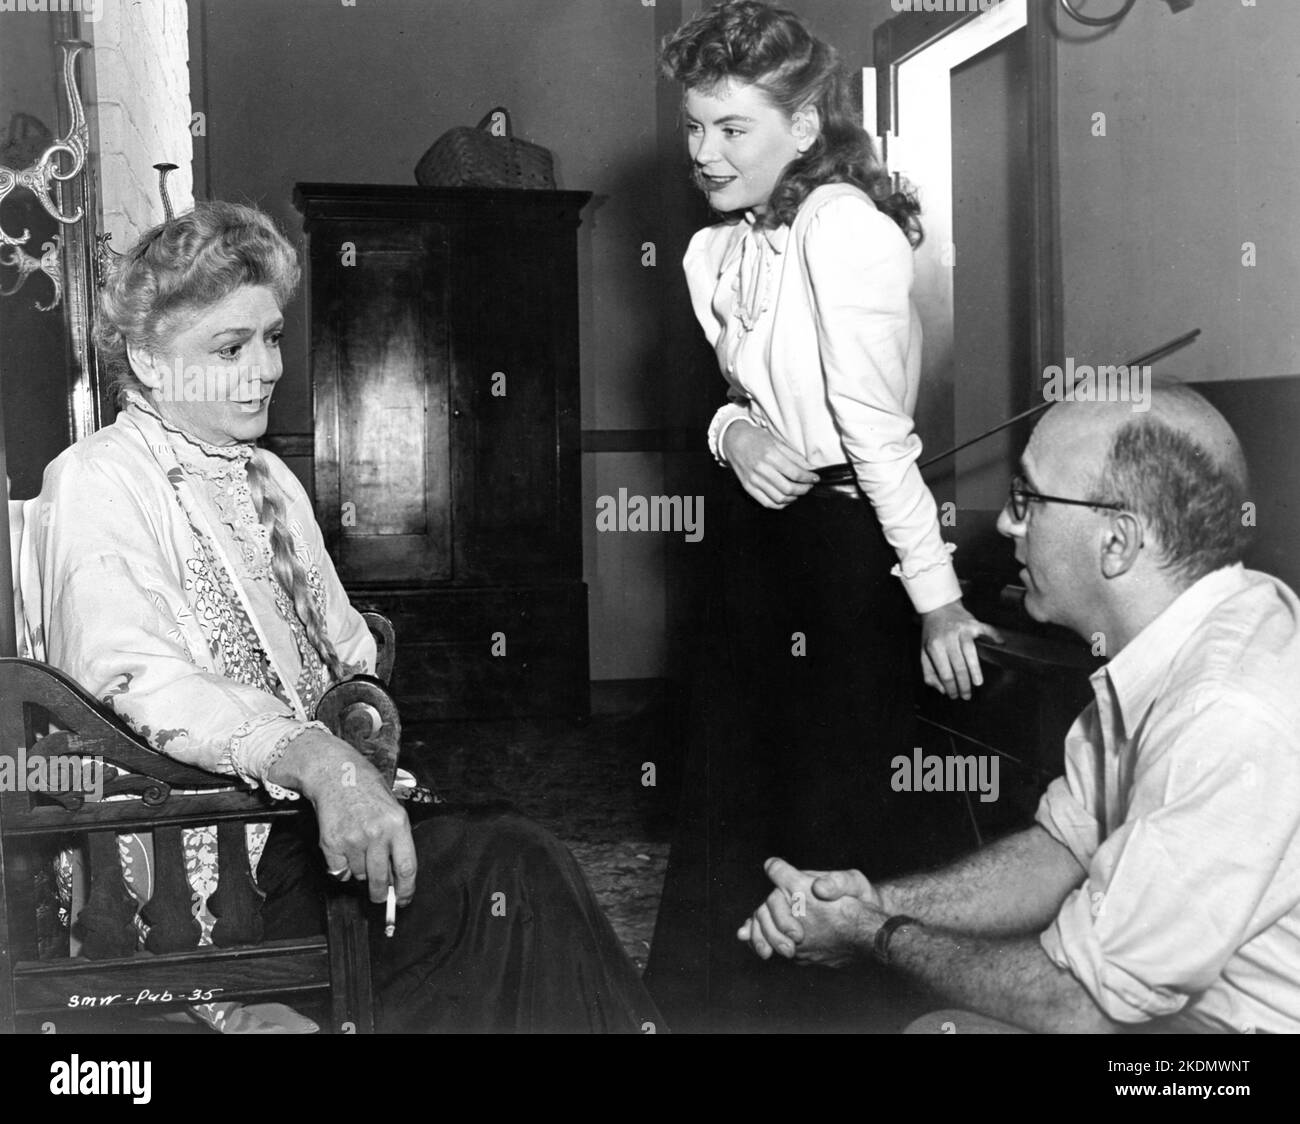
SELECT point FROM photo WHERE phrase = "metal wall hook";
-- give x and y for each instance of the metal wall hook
(164, 170)
(104, 253)
(40, 179)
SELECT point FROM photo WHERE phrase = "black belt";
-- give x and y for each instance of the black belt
(836, 481)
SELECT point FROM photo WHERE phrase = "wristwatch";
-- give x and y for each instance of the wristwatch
(880, 946)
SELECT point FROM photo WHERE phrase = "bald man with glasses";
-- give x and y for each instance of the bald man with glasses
(1159, 887)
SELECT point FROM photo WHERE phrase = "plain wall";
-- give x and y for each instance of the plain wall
(141, 112)
(991, 232)
(1200, 155)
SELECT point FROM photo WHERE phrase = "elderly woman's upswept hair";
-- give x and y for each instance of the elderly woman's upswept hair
(181, 267)
(770, 48)
(191, 262)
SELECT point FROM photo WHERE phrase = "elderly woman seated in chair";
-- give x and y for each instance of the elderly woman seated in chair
(178, 573)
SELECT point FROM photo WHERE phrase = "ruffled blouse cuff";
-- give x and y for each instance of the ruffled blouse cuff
(931, 585)
(722, 421)
(258, 744)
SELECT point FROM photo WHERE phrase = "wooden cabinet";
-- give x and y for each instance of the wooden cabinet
(444, 368)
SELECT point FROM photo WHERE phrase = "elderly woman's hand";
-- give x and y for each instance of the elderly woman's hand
(363, 829)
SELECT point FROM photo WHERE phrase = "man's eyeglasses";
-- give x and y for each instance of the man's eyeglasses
(1020, 496)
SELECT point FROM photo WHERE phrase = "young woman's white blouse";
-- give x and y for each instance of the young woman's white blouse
(819, 341)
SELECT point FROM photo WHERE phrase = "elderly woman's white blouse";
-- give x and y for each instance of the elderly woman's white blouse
(146, 576)
(819, 341)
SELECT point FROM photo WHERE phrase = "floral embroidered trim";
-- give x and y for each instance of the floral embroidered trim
(277, 751)
(232, 755)
(313, 678)
(317, 585)
(233, 500)
(231, 638)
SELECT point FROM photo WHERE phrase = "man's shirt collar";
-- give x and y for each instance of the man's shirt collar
(1138, 673)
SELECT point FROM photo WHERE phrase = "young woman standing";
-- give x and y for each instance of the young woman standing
(832, 540)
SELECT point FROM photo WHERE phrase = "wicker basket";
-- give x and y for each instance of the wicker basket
(484, 157)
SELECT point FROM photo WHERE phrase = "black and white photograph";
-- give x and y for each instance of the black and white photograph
(650, 517)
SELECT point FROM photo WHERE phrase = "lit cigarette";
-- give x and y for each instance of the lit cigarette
(390, 913)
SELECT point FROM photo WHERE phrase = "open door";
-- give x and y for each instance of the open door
(966, 106)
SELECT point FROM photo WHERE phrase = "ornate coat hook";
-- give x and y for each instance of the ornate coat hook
(48, 263)
(104, 252)
(163, 171)
(40, 179)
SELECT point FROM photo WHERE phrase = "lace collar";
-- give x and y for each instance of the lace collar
(223, 470)
(198, 456)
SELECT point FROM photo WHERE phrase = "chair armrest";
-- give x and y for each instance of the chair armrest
(362, 712)
(381, 628)
(167, 792)
(86, 727)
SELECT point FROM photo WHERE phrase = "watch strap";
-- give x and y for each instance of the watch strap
(880, 946)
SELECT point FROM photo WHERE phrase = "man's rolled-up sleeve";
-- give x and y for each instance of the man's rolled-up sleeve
(1175, 890)
(1065, 818)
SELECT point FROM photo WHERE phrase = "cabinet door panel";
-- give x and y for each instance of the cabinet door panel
(513, 356)
(382, 403)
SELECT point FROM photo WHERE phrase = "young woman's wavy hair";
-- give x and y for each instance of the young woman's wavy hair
(175, 269)
(770, 48)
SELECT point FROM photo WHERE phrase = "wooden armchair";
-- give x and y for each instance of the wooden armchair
(47, 725)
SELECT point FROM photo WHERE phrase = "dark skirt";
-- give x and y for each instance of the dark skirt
(503, 934)
(803, 697)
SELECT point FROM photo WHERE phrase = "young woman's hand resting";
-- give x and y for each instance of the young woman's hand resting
(767, 468)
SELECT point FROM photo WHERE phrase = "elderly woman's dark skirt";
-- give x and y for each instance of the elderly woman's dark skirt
(503, 934)
(803, 697)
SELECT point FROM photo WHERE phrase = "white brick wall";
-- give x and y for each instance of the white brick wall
(142, 112)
